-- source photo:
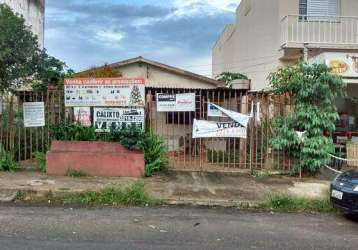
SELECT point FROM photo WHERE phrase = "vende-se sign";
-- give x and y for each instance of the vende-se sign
(106, 92)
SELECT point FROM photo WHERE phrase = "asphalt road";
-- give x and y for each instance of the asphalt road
(171, 228)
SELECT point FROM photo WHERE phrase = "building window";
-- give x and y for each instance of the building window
(312, 9)
(303, 7)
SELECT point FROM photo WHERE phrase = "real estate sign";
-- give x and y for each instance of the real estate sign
(175, 102)
(34, 114)
(105, 119)
(213, 111)
(212, 129)
(105, 92)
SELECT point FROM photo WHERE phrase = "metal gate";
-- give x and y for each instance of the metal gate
(185, 152)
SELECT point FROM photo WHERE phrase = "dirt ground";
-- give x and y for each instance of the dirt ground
(176, 187)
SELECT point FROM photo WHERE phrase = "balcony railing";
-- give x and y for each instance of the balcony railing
(331, 31)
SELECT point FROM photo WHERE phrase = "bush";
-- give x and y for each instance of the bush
(7, 162)
(40, 157)
(72, 132)
(155, 154)
(313, 91)
(132, 138)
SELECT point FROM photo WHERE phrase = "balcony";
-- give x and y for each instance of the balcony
(319, 31)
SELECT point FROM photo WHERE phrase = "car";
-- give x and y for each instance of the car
(344, 191)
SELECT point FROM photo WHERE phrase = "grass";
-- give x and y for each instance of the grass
(76, 173)
(287, 203)
(133, 195)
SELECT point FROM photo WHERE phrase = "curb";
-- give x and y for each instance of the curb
(33, 196)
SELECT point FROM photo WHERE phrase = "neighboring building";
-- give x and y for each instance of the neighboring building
(34, 13)
(272, 33)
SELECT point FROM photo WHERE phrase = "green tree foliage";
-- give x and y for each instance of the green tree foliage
(228, 77)
(21, 60)
(19, 50)
(313, 90)
(50, 71)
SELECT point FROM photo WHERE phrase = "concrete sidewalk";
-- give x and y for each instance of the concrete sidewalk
(194, 188)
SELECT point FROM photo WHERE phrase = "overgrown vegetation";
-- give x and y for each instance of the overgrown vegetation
(103, 71)
(287, 203)
(133, 138)
(75, 173)
(133, 195)
(7, 161)
(40, 158)
(313, 90)
(73, 132)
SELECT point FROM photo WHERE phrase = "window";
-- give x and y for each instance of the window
(303, 8)
(318, 8)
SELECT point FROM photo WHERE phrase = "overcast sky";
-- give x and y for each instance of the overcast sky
(181, 33)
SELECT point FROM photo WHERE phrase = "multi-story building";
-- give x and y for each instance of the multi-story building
(269, 34)
(34, 13)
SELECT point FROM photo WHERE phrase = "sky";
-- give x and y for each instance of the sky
(181, 33)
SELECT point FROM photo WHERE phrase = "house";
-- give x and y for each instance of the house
(33, 12)
(175, 127)
(158, 75)
(273, 33)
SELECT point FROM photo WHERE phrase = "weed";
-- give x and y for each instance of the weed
(20, 196)
(75, 173)
(40, 157)
(133, 195)
(288, 203)
(7, 162)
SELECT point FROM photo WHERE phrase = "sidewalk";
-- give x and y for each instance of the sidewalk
(189, 188)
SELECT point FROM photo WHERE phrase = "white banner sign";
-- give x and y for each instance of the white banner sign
(176, 102)
(34, 114)
(83, 116)
(213, 111)
(105, 119)
(211, 129)
(237, 128)
(109, 92)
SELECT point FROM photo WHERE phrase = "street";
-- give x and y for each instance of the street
(25, 227)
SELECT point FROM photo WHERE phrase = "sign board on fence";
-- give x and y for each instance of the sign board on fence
(213, 111)
(175, 102)
(34, 114)
(107, 92)
(212, 129)
(105, 119)
(82, 116)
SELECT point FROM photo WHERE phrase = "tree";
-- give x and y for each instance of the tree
(313, 90)
(50, 71)
(21, 60)
(229, 77)
(104, 71)
(19, 50)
